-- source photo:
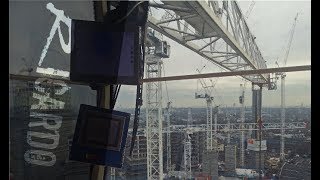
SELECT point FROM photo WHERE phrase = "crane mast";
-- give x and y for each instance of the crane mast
(283, 76)
(283, 115)
(157, 51)
(228, 134)
(209, 124)
(209, 100)
(168, 114)
(188, 148)
(187, 154)
(154, 121)
(242, 116)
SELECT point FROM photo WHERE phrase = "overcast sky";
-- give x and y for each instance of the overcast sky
(270, 22)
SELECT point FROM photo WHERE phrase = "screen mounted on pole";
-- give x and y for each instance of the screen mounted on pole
(104, 53)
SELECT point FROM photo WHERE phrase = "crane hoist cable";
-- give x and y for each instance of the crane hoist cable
(139, 88)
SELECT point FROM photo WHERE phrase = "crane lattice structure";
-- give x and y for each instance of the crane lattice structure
(283, 76)
(187, 154)
(242, 117)
(154, 120)
(206, 23)
(209, 100)
(232, 127)
(168, 114)
(224, 128)
(202, 26)
(157, 50)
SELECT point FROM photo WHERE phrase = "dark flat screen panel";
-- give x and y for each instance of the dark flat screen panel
(104, 53)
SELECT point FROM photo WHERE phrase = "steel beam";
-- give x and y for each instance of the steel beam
(236, 127)
(229, 127)
(207, 22)
(234, 73)
(184, 77)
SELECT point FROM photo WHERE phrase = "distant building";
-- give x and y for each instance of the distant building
(135, 166)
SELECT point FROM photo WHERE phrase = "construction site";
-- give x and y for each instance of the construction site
(204, 151)
(209, 142)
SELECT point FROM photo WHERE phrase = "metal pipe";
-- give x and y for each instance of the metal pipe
(260, 131)
(234, 73)
(185, 77)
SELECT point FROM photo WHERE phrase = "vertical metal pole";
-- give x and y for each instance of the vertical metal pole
(216, 120)
(260, 133)
(154, 120)
(189, 121)
(187, 155)
(228, 120)
(209, 124)
(242, 126)
(208, 128)
(283, 116)
(255, 109)
(168, 138)
(97, 172)
(160, 119)
(211, 134)
(103, 93)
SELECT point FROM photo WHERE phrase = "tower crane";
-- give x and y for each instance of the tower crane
(283, 76)
(209, 99)
(157, 49)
